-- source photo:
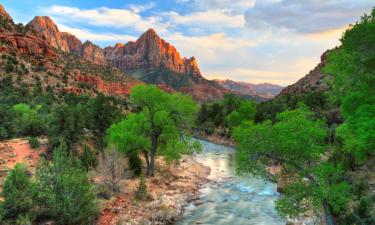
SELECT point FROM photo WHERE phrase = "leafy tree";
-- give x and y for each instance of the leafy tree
(354, 83)
(297, 142)
(17, 194)
(104, 111)
(160, 125)
(63, 190)
(27, 121)
(88, 158)
(246, 111)
(66, 125)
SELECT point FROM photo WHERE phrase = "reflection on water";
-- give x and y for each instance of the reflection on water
(230, 199)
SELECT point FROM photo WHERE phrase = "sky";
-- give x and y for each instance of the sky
(258, 41)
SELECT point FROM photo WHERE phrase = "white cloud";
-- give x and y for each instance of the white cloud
(305, 16)
(235, 6)
(108, 17)
(207, 19)
(84, 35)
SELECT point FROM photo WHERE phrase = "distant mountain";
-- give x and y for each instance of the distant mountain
(264, 90)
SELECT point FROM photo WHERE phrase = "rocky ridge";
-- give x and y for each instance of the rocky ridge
(314, 81)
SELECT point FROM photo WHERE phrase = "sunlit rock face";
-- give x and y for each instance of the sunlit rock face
(150, 52)
(4, 14)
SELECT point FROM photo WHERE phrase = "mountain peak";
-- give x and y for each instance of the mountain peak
(48, 28)
(4, 14)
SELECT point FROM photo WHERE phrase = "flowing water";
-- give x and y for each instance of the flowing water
(230, 199)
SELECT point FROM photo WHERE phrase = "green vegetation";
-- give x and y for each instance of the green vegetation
(59, 191)
(34, 142)
(160, 125)
(224, 114)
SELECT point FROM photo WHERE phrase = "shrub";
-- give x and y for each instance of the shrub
(88, 159)
(34, 142)
(17, 194)
(141, 194)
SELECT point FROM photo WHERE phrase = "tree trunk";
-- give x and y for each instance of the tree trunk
(327, 213)
(145, 153)
(150, 169)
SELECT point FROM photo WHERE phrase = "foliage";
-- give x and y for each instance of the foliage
(354, 82)
(296, 141)
(27, 121)
(245, 112)
(17, 194)
(220, 113)
(66, 125)
(34, 142)
(141, 193)
(88, 158)
(160, 125)
(104, 111)
(63, 190)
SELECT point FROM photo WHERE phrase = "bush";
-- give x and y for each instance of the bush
(17, 194)
(88, 159)
(135, 163)
(141, 194)
(34, 142)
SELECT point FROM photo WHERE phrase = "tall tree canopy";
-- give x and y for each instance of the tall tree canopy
(160, 125)
(296, 142)
(353, 68)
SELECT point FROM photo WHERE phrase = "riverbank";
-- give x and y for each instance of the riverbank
(172, 188)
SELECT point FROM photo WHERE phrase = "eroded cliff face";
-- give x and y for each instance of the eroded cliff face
(93, 53)
(45, 26)
(150, 52)
(65, 41)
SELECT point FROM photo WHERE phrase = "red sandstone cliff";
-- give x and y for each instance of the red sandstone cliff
(150, 52)
(65, 41)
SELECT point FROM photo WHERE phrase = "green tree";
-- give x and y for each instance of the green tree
(353, 69)
(63, 190)
(160, 125)
(88, 158)
(67, 125)
(104, 111)
(27, 121)
(246, 111)
(17, 194)
(297, 142)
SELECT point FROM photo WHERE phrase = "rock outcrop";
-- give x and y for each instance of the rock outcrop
(93, 53)
(150, 52)
(74, 44)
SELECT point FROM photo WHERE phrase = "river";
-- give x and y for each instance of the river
(229, 199)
